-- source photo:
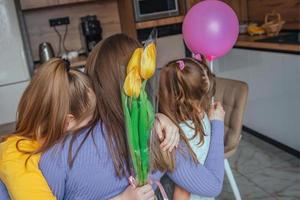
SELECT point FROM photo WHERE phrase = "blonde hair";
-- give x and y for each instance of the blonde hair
(54, 92)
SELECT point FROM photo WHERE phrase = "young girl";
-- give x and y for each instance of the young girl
(186, 87)
(59, 100)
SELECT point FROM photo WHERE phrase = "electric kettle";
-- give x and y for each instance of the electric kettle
(46, 52)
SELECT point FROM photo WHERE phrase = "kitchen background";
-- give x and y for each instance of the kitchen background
(270, 67)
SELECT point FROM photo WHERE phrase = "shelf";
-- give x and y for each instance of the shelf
(246, 41)
(159, 22)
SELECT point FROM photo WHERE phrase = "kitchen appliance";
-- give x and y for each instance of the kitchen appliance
(243, 28)
(154, 9)
(15, 62)
(46, 52)
(92, 31)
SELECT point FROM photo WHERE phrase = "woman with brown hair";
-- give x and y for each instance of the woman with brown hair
(100, 162)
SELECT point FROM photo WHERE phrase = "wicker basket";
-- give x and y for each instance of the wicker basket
(273, 24)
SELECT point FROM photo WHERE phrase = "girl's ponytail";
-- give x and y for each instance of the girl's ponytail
(54, 92)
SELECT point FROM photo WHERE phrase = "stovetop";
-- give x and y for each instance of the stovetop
(285, 38)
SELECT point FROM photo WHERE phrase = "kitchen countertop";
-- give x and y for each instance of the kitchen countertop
(78, 62)
(244, 41)
(247, 41)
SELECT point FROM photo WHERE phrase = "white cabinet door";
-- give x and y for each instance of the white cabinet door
(13, 66)
(10, 97)
(273, 105)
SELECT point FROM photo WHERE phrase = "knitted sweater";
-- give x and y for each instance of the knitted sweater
(93, 177)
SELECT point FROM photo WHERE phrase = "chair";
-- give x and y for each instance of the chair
(233, 96)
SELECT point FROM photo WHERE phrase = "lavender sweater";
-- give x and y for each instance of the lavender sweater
(92, 176)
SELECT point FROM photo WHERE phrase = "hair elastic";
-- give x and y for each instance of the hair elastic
(181, 64)
(67, 64)
(197, 56)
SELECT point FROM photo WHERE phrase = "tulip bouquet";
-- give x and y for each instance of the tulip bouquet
(138, 109)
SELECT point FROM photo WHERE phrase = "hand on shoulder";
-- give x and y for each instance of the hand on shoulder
(216, 112)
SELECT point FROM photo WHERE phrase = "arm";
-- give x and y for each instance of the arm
(25, 183)
(3, 192)
(53, 165)
(180, 194)
(207, 179)
(22, 182)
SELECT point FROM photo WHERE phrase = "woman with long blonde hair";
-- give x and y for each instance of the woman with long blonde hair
(59, 101)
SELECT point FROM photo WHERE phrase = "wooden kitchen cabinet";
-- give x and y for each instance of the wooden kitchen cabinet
(73, 1)
(239, 7)
(31, 4)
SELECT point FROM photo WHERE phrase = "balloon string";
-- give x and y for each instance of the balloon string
(211, 66)
(160, 187)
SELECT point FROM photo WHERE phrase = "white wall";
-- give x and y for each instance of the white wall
(274, 91)
(169, 48)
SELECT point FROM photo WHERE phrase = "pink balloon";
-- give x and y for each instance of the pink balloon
(210, 28)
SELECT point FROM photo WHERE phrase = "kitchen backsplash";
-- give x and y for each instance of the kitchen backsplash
(39, 31)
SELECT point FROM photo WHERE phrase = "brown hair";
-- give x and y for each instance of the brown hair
(106, 68)
(181, 93)
(54, 92)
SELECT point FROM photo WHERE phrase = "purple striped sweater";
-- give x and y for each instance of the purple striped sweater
(92, 176)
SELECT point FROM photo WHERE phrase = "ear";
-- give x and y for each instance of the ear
(70, 122)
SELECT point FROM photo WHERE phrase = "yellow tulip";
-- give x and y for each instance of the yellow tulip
(135, 60)
(133, 83)
(148, 62)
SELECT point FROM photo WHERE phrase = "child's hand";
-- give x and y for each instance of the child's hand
(167, 132)
(140, 193)
(216, 112)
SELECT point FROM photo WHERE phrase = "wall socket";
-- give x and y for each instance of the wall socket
(59, 21)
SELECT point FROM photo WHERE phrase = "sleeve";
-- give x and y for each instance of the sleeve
(207, 179)
(3, 192)
(24, 182)
(53, 165)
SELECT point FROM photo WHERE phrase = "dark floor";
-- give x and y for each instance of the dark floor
(262, 171)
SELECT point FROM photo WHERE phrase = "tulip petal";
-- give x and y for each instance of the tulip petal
(132, 84)
(148, 61)
(135, 60)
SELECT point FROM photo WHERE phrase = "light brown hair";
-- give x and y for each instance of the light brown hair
(54, 92)
(106, 67)
(183, 95)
